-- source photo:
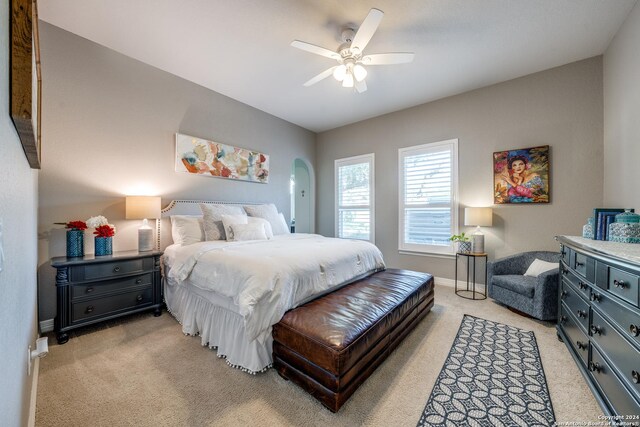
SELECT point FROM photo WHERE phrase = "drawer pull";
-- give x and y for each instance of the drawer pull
(116, 269)
(579, 264)
(619, 284)
(563, 319)
(582, 313)
(582, 285)
(563, 252)
(595, 367)
(565, 271)
(635, 377)
(89, 290)
(635, 330)
(595, 297)
(138, 281)
(581, 345)
(89, 309)
(139, 298)
(563, 293)
(596, 329)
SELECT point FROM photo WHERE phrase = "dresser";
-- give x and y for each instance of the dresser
(599, 320)
(93, 289)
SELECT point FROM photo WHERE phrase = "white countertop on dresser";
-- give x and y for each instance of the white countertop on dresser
(626, 251)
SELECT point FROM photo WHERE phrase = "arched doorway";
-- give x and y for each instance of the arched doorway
(302, 196)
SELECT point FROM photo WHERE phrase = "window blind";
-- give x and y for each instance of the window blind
(354, 197)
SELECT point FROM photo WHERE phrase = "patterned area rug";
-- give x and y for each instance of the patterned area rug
(493, 376)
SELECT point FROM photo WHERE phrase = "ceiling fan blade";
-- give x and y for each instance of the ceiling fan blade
(361, 86)
(366, 30)
(315, 49)
(388, 58)
(323, 75)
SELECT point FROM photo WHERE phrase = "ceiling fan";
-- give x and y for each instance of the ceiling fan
(351, 69)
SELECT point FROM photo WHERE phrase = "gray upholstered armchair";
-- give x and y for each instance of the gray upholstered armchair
(535, 296)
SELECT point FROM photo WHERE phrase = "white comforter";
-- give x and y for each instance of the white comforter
(266, 278)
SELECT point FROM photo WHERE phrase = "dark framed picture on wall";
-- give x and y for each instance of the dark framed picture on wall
(521, 175)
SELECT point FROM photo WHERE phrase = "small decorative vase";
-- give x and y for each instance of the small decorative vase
(464, 247)
(587, 229)
(626, 229)
(75, 243)
(103, 246)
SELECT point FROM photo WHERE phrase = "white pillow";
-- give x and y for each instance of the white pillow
(212, 219)
(284, 227)
(241, 232)
(187, 229)
(229, 220)
(267, 226)
(270, 213)
(538, 267)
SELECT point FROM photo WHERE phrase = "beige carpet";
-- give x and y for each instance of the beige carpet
(143, 371)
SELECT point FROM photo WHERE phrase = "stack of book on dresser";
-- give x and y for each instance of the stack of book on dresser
(603, 217)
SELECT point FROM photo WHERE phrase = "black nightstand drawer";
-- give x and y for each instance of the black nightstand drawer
(574, 303)
(99, 288)
(108, 270)
(579, 340)
(98, 307)
(615, 392)
(625, 357)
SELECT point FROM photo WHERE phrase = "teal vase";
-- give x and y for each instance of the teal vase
(75, 243)
(103, 246)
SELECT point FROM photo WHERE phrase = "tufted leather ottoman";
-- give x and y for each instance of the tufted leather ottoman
(332, 344)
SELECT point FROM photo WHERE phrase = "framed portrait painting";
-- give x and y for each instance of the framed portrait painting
(521, 175)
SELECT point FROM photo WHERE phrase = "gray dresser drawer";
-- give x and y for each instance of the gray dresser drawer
(624, 318)
(86, 310)
(575, 304)
(625, 357)
(566, 255)
(620, 399)
(99, 288)
(578, 282)
(579, 340)
(624, 285)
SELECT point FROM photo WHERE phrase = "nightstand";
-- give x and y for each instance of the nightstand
(470, 291)
(93, 289)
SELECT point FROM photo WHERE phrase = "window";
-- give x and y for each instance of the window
(354, 198)
(428, 197)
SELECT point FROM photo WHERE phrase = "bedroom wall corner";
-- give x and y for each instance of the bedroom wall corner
(111, 122)
(621, 107)
(18, 214)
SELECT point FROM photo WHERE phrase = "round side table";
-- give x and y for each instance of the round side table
(470, 291)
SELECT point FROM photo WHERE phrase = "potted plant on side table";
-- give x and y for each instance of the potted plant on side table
(464, 243)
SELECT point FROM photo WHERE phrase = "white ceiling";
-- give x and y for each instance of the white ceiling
(241, 48)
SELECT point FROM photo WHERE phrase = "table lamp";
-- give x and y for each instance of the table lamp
(143, 207)
(480, 217)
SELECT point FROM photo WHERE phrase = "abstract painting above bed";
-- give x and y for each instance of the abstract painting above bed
(208, 158)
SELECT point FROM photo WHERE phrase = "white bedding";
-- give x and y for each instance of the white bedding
(264, 279)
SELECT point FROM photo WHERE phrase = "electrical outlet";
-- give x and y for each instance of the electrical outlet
(29, 360)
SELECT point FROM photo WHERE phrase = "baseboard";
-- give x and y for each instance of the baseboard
(445, 282)
(46, 326)
(34, 392)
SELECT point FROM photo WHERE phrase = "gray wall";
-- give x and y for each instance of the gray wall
(18, 212)
(622, 115)
(110, 123)
(561, 107)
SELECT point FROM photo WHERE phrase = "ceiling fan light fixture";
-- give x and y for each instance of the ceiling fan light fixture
(359, 72)
(348, 80)
(340, 72)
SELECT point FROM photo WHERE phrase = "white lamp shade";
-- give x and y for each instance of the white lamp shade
(142, 207)
(482, 217)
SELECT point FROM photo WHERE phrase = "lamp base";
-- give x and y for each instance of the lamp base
(477, 243)
(145, 239)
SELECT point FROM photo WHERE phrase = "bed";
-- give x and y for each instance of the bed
(231, 293)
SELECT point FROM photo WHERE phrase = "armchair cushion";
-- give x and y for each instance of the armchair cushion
(523, 285)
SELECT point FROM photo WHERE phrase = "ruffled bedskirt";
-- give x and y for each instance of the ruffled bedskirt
(219, 329)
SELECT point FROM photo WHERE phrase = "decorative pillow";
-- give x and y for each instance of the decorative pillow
(212, 219)
(187, 229)
(270, 213)
(267, 226)
(241, 232)
(229, 220)
(283, 224)
(538, 267)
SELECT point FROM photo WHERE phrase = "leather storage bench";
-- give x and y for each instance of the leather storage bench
(329, 346)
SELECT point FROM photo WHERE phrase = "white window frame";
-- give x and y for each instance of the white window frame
(418, 149)
(347, 161)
